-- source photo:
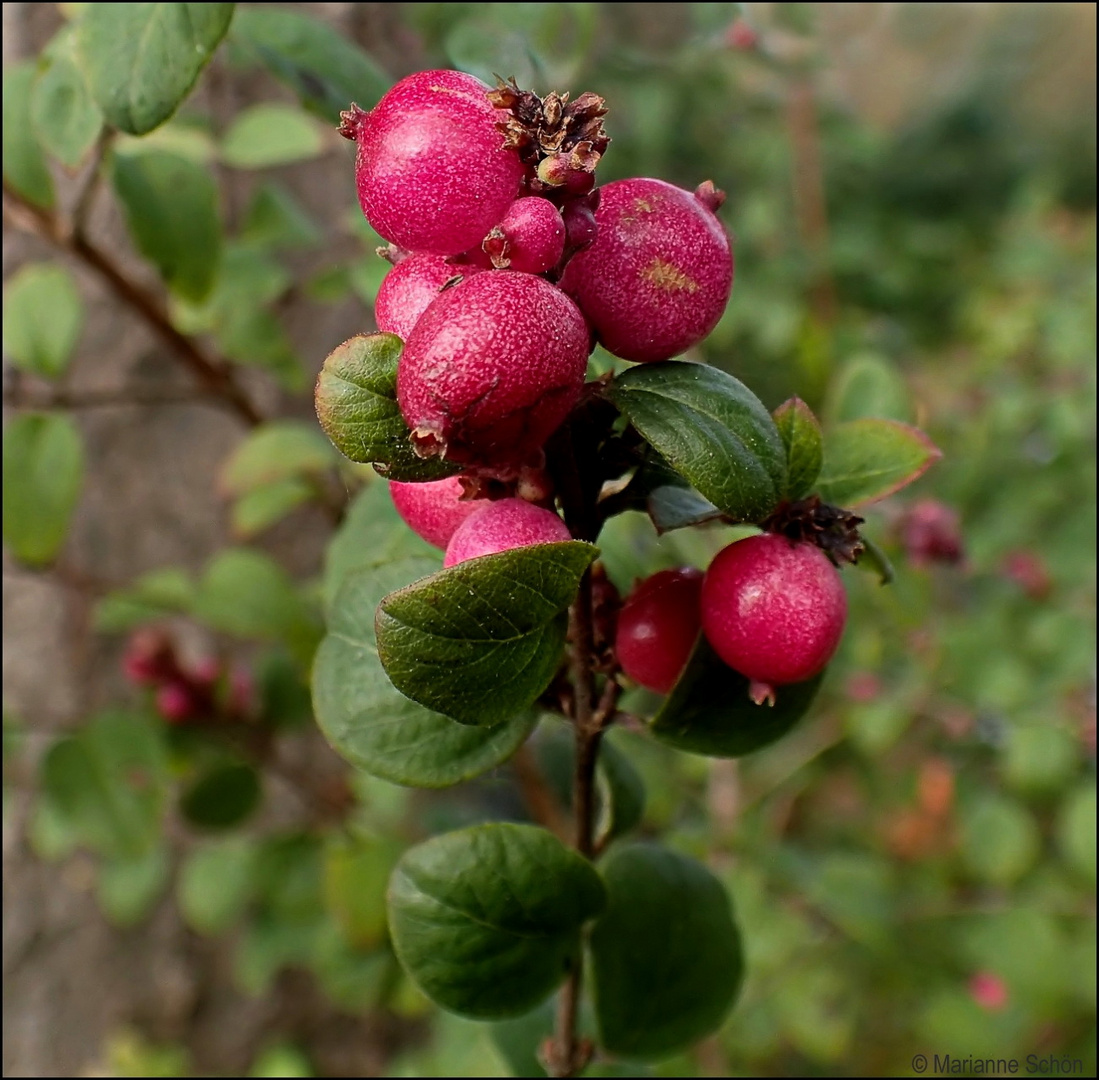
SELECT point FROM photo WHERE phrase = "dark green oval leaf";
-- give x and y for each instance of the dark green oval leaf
(66, 119)
(711, 429)
(24, 163)
(371, 534)
(43, 315)
(356, 400)
(142, 59)
(709, 710)
(666, 954)
(804, 442)
(866, 460)
(222, 797)
(674, 507)
(171, 206)
(374, 726)
(480, 641)
(326, 70)
(487, 920)
(43, 471)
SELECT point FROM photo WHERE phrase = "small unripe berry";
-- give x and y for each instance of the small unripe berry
(431, 171)
(501, 526)
(658, 276)
(492, 368)
(433, 510)
(407, 291)
(773, 609)
(658, 626)
(530, 239)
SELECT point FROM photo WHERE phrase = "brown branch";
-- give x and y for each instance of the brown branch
(212, 374)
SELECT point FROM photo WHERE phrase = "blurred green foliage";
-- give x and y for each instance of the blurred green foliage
(913, 868)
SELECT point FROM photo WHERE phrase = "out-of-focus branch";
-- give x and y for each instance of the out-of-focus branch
(214, 375)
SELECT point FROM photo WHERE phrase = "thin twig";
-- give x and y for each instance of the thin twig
(212, 374)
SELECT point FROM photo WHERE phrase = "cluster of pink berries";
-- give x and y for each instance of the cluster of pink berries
(185, 693)
(509, 264)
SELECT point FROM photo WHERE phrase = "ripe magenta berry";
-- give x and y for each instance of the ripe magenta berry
(492, 368)
(530, 239)
(433, 510)
(658, 626)
(501, 526)
(431, 170)
(658, 276)
(408, 289)
(773, 610)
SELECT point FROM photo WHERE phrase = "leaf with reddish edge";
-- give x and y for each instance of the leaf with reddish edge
(866, 460)
(801, 435)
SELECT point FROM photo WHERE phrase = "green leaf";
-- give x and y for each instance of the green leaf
(128, 888)
(108, 782)
(171, 207)
(1076, 829)
(247, 594)
(25, 166)
(276, 222)
(374, 726)
(277, 450)
(326, 70)
(804, 442)
(487, 920)
(866, 460)
(270, 134)
(999, 838)
(43, 472)
(66, 120)
(356, 401)
(43, 316)
(867, 386)
(371, 534)
(142, 59)
(875, 560)
(711, 429)
(673, 507)
(356, 873)
(480, 641)
(167, 591)
(261, 507)
(216, 881)
(709, 711)
(666, 954)
(222, 797)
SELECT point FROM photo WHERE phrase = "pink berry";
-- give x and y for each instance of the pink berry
(531, 238)
(175, 702)
(408, 289)
(658, 276)
(989, 991)
(501, 526)
(431, 170)
(773, 609)
(492, 368)
(658, 626)
(433, 510)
